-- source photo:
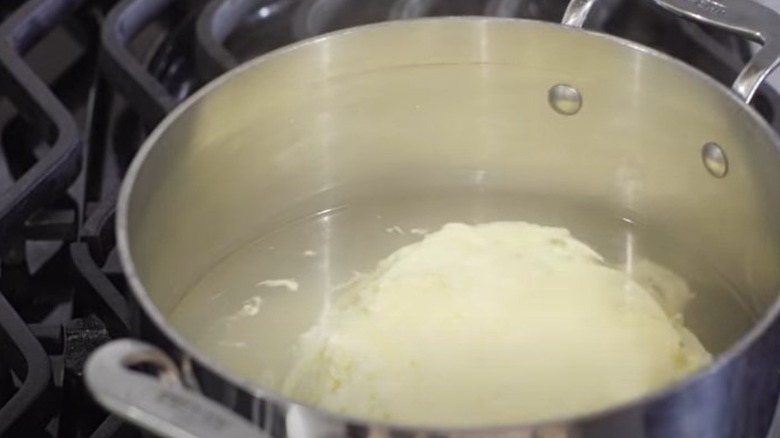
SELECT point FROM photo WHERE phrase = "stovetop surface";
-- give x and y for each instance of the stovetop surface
(82, 82)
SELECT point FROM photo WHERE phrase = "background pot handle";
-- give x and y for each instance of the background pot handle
(159, 404)
(577, 12)
(747, 18)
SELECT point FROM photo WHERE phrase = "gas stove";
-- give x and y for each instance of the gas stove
(83, 82)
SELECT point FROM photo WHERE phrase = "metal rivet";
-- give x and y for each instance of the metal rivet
(715, 160)
(565, 99)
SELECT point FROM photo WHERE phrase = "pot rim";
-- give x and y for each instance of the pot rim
(156, 316)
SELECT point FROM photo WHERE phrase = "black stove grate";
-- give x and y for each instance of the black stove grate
(54, 171)
(24, 359)
(81, 84)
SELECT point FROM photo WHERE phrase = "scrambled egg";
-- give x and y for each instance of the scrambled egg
(496, 323)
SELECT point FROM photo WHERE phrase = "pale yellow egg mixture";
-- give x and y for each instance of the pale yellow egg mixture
(502, 322)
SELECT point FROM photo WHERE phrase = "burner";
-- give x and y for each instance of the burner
(84, 82)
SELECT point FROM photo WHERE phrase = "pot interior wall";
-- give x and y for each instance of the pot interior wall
(433, 110)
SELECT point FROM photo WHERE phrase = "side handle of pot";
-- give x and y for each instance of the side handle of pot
(160, 404)
(577, 12)
(746, 18)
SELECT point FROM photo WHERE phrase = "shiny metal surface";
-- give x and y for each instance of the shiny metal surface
(577, 12)
(747, 18)
(715, 160)
(332, 116)
(565, 99)
(165, 407)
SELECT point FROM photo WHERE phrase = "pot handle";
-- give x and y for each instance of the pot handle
(161, 405)
(746, 18)
(577, 12)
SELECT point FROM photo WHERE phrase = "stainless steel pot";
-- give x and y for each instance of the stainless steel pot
(472, 106)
